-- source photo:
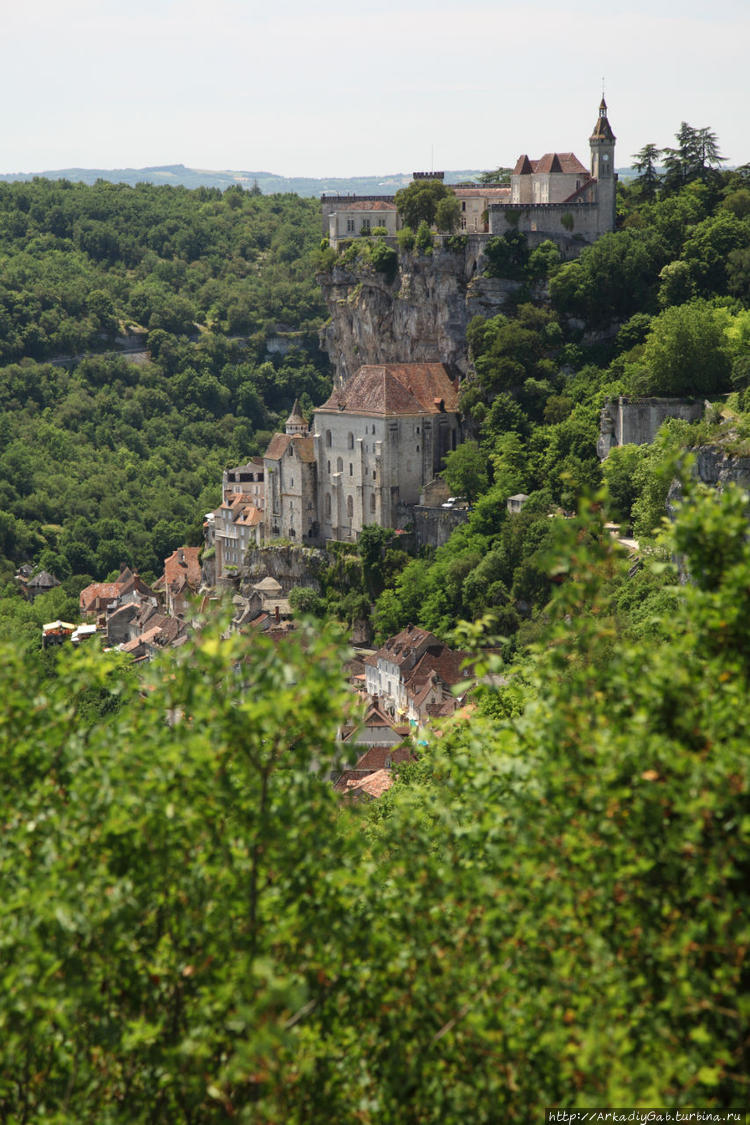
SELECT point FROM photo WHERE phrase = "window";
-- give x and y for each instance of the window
(351, 469)
(328, 470)
(328, 439)
(350, 226)
(328, 503)
(463, 204)
(366, 225)
(350, 506)
(350, 439)
(374, 474)
(339, 464)
(291, 483)
(372, 502)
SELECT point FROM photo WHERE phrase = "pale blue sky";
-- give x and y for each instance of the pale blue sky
(343, 89)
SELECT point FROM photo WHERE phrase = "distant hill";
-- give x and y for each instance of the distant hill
(266, 181)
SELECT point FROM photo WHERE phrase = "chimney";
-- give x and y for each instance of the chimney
(181, 556)
(277, 615)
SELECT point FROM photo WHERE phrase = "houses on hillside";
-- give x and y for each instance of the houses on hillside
(412, 676)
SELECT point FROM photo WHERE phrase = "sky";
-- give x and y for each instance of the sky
(361, 88)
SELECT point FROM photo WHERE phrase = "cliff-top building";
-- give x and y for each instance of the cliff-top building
(558, 197)
(555, 196)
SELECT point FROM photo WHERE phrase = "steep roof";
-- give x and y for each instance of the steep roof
(182, 568)
(395, 388)
(523, 166)
(279, 443)
(295, 416)
(565, 162)
(400, 647)
(373, 786)
(43, 581)
(602, 128)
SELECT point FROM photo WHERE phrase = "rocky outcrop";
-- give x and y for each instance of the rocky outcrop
(290, 566)
(716, 467)
(421, 316)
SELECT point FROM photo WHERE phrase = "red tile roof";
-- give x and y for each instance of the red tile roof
(183, 568)
(373, 786)
(303, 447)
(97, 592)
(405, 644)
(367, 205)
(566, 162)
(382, 757)
(395, 388)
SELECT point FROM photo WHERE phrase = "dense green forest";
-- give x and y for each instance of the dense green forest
(549, 908)
(103, 460)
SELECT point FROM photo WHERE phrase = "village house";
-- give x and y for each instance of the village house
(234, 526)
(412, 675)
(181, 580)
(99, 597)
(247, 481)
(290, 483)
(33, 585)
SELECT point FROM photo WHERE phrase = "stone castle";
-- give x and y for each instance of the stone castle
(555, 197)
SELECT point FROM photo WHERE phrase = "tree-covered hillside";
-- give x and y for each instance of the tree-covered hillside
(548, 909)
(659, 307)
(105, 460)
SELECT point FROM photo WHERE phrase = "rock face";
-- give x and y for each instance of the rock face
(290, 566)
(421, 316)
(715, 467)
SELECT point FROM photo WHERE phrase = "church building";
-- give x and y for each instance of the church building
(374, 445)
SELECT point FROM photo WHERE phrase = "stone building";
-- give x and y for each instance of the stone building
(352, 217)
(378, 440)
(375, 444)
(290, 510)
(558, 197)
(246, 479)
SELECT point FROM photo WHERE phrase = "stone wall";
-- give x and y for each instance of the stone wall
(290, 566)
(571, 225)
(433, 527)
(636, 421)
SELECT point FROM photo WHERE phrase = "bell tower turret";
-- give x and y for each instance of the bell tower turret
(602, 143)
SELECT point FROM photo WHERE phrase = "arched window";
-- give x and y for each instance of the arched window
(339, 464)
(350, 506)
(372, 501)
(351, 441)
(328, 438)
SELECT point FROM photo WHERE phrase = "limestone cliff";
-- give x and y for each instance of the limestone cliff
(714, 466)
(420, 316)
